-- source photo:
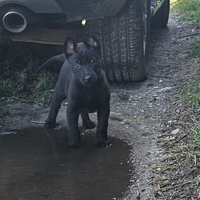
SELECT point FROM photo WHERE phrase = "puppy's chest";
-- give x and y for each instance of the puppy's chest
(91, 102)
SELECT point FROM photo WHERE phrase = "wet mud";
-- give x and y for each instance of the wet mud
(37, 164)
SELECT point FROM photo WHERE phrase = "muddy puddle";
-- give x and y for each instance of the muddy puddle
(37, 164)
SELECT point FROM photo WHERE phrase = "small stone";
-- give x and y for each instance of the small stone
(169, 122)
(123, 96)
(181, 172)
(151, 118)
(170, 138)
(166, 89)
(174, 132)
(118, 114)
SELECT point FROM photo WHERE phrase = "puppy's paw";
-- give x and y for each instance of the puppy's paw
(48, 124)
(74, 146)
(89, 125)
(104, 143)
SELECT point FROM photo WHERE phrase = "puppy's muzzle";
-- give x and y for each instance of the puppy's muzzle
(87, 79)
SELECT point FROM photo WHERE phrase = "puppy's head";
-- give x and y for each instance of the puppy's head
(84, 58)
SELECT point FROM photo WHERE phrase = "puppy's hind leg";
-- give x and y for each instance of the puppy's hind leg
(87, 123)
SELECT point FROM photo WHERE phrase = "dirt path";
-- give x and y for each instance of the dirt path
(142, 114)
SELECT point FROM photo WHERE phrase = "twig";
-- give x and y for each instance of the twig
(37, 122)
(22, 100)
(191, 34)
(177, 141)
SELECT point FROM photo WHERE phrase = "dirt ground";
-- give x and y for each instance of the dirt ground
(143, 115)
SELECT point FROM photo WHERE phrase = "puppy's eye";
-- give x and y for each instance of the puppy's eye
(77, 65)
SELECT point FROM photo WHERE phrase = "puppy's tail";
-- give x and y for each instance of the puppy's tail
(59, 59)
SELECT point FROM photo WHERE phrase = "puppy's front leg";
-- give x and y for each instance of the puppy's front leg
(102, 127)
(72, 119)
(58, 97)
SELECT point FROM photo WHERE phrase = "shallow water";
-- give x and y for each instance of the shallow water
(37, 164)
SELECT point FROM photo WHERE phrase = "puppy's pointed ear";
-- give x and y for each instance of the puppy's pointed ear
(69, 46)
(91, 41)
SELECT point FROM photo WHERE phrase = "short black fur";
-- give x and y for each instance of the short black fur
(83, 82)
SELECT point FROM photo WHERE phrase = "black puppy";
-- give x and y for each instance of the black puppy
(83, 82)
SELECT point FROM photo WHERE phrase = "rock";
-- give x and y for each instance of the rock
(123, 96)
(174, 132)
(166, 89)
(170, 138)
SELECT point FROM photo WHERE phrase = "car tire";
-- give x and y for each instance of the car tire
(125, 41)
(160, 19)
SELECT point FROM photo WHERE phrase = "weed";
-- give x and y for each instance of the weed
(3, 109)
(11, 88)
(189, 10)
(197, 134)
(198, 179)
(43, 87)
(195, 49)
(190, 165)
(192, 91)
(40, 90)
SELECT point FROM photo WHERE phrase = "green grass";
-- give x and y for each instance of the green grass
(194, 51)
(9, 91)
(197, 134)
(189, 10)
(10, 88)
(40, 90)
(3, 109)
(192, 91)
(43, 88)
(198, 179)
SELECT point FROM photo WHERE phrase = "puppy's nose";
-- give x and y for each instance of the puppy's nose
(87, 78)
